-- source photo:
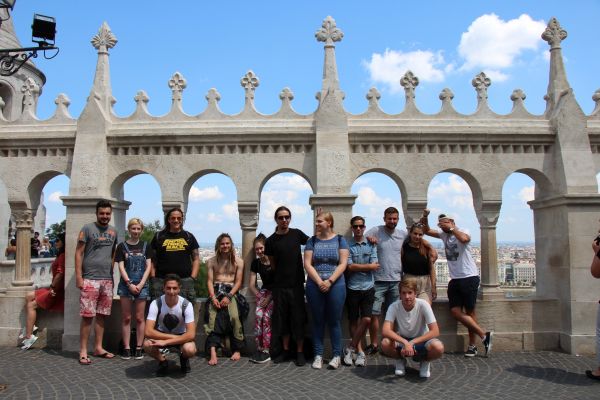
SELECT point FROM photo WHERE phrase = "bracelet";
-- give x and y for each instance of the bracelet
(229, 296)
(330, 281)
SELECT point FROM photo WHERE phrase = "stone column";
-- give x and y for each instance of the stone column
(248, 211)
(340, 205)
(167, 205)
(488, 217)
(22, 281)
(414, 210)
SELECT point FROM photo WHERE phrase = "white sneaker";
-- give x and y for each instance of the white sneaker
(22, 334)
(400, 367)
(335, 362)
(425, 369)
(317, 362)
(27, 343)
(361, 359)
(349, 355)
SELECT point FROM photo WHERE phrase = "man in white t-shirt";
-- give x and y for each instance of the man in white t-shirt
(416, 331)
(170, 323)
(464, 280)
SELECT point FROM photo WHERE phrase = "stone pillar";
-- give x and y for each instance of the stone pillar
(414, 210)
(248, 211)
(22, 281)
(340, 205)
(488, 217)
(167, 205)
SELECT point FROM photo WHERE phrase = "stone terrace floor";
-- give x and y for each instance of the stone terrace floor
(48, 374)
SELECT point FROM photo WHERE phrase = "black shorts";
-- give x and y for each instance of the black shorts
(360, 303)
(463, 292)
(289, 312)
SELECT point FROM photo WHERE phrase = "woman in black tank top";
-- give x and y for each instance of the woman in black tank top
(418, 261)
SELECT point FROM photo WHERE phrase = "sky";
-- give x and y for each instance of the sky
(213, 44)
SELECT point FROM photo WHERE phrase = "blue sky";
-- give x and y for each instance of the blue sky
(214, 44)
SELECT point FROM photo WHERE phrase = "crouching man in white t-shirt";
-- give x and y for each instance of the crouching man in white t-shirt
(416, 331)
(170, 324)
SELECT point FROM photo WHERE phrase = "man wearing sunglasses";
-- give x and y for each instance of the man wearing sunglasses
(360, 290)
(285, 256)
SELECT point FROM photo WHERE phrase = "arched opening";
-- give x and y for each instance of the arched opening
(376, 192)
(143, 191)
(515, 236)
(6, 93)
(286, 189)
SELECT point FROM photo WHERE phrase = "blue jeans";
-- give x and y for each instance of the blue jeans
(327, 308)
(385, 294)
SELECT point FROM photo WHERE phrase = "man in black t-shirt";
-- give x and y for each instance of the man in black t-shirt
(35, 245)
(175, 252)
(285, 257)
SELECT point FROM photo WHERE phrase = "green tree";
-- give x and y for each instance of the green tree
(56, 229)
(150, 230)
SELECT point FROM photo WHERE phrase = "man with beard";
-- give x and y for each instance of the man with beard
(170, 324)
(94, 278)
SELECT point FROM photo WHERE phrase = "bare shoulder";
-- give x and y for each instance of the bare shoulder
(211, 262)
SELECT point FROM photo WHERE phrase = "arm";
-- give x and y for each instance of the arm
(146, 274)
(461, 236)
(79, 264)
(239, 274)
(195, 263)
(252, 283)
(432, 274)
(341, 267)
(209, 282)
(595, 267)
(434, 331)
(431, 232)
(388, 332)
(363, 267)
(310, 270)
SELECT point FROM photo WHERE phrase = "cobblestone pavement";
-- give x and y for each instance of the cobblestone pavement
(47, 374)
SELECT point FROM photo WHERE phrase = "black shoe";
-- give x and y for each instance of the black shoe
(471, 351)
(487, 343)
(138, 355)
(260, 357)
(126, 354)
(163, 368)
(300, 360)
(282, 357)
(370, 350)
(185, 364)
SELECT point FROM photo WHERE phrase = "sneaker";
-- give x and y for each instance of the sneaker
(282, 357)
(400, 367)
(126, 354)
(139, 354)
(361, 359)
(300, 360)
(163, 368)
(260, 357)
(425, 369)
(471, 351)
(22, 334)
(335, 363)
(349, 355)
(185, 364)
(27, 343)
(370, 349)
(317, 362)
(487, 343)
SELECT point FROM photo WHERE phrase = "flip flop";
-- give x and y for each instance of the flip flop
(106, 355)
(84, 360)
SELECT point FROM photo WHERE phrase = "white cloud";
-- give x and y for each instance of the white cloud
(54, 197)
(208, 193)
(368, 197)
(455, 192)
(389, 67)
(527, 193)
(271, 199)
(287, 182)
(492, 44)
(231, 210)
(212, 217)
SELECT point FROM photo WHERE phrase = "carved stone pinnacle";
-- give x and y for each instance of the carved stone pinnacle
(554, 34)
(329, 32)
(105, 39)
(409, 82)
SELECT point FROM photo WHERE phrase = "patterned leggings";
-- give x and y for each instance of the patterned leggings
(262, 324)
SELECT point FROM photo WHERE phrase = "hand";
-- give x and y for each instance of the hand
(433, 294)
(79, 282)
(225, 301)
(264, 301)
(133, 289)
(52, 293)
(408, 350)
(372, 239)
(324, 286)
(158, 343)
(215, 303)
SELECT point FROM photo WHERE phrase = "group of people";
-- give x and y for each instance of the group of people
(377, 268)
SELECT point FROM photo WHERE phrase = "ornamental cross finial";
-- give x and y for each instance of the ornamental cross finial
(373, 96)
(250, 82)
(105, 39)
(554, 34)
(329, 32)
(446, 95)
(213, 96)
(481, 82)
(518, 95)
(286, 95)
(141, 97)
(177, 83)
(409, 82)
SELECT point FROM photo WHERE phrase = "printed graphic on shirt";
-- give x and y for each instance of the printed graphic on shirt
(451, 251)
(175, 244)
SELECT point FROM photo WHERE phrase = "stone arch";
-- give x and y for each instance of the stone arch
(281, 171)
(382, 198)
(189, 182)
(7, 93)
(35, 187)
(473, 183)
(390, 174)
(116, 186)
(543, 185)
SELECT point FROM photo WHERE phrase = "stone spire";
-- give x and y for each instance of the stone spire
(101, 90)
(557, 84)
(329, 34)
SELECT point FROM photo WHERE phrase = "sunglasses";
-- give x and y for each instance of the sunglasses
(284, 217)
(358, 227)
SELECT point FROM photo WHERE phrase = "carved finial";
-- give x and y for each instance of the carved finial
(213, 97)
(141, 97)
(177, 83)
(446, 95)
(62, 106)
(250, 82)
(518, 95)
(554, 34)
(409, 82)
(30, 91)
(481, 82)
(329, 32)
(286, 95)
(373, 96)
(596, 98)
(105, 39)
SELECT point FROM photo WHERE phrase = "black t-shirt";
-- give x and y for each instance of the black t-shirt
(413, 262)
(133, 249)
(35, 245)
(289, 271)
(265, 272)
(173, 253)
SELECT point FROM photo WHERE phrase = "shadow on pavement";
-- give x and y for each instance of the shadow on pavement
(554, 375)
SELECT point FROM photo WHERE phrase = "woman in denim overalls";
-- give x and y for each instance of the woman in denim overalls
(134, 260)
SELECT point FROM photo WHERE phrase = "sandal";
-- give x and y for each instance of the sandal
(106, 354)
(85, 360)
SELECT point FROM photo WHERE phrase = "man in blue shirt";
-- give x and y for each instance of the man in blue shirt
(360, 291)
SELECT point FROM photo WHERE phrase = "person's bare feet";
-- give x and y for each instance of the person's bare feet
(213, 357)
(235, 356)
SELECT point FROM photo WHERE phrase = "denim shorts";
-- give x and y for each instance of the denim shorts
(385, 294)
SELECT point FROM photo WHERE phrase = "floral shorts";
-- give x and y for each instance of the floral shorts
(96, 297)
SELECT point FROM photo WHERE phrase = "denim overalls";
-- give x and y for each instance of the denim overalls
(135, 266)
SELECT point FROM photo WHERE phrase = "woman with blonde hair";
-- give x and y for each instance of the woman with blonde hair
(134, 258)
(325, 258)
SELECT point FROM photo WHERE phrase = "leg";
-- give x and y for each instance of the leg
(99, 333)
(359, 333)
(213, 356)
(84, 335)
(379, 297)
(334, 308)
(238, 329)
(140, 308)
(467, 321)
(152, 351)
(388, 347)
(596, 372)
(258, 323)
(126, 321)
(266, 326)
(316, 302)
(435, 349)
(30, 306)
(188, 350)
(103, 308)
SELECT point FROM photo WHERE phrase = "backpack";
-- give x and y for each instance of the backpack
(184, 305)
